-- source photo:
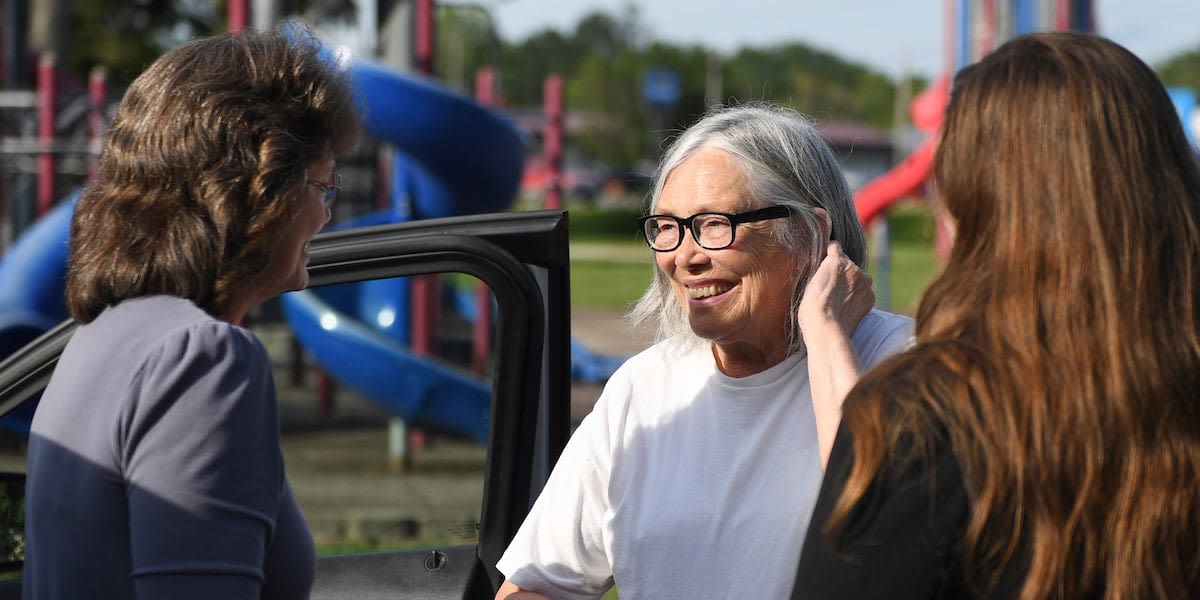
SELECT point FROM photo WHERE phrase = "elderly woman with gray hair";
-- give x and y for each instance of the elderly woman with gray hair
(696, 472)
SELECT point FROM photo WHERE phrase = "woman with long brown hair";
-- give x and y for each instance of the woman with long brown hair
(1042, 439)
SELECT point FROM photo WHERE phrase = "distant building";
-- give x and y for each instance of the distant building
(864, 152)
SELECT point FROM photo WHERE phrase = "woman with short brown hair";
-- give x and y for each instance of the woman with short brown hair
(155, 469)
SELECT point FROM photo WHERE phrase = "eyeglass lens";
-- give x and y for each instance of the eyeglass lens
(712, 231)
(330, 188)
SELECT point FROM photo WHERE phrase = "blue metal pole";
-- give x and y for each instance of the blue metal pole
(1024, 17)
(1084, 16)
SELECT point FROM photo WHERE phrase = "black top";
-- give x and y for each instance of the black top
(902, 541)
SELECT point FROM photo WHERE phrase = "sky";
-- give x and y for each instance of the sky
(892, 36)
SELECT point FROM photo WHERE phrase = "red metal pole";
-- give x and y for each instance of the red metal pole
(485, 86)
(383, 175)
(325, 393)
(987, 38)
(47, 98)
(424, 296)
(238, 14)
(423, 38)
(1062, 15)
(425, 314)
(97, 95)
(552, 138)
(481, 335)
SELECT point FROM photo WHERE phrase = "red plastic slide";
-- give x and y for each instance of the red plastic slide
(903, 180)
(907, 177)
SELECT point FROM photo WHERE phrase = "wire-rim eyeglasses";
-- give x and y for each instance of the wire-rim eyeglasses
(329, 189)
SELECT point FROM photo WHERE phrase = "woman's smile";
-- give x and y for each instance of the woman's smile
(703, 291)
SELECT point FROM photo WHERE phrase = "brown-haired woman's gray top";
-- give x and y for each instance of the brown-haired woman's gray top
(174, 450)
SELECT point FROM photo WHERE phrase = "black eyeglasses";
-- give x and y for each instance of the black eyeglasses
(330, 189)
(712, 230)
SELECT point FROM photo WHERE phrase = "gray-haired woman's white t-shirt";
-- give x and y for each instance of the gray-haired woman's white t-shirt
(684, 482)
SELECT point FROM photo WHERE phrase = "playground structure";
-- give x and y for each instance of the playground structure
(975, 28)
(376, 337)
(446, 155)
(358, 333)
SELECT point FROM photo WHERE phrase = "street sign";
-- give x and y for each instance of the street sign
(660, 86)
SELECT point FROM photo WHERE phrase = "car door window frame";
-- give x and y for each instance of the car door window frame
(523, 257)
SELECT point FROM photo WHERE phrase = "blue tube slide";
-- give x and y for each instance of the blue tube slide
(460, 157)
(382, 369)
(455, 157)
(477, 154)
(32, 278)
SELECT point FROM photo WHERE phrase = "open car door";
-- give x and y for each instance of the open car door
(523, 259)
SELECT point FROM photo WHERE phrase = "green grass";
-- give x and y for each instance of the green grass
(609, 285)
(913, 267)
(913, 259)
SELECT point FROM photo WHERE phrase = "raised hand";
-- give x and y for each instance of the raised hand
(838, 290)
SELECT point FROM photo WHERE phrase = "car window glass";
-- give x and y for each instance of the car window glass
(383, 423)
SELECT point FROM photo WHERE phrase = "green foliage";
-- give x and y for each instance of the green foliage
(604, 224)
(1182, 70)
(604, 59)
(100, 33)
(12, 521)
(125, 37)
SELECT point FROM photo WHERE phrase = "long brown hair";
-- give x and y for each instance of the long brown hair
(202, 168)
(1059, 349)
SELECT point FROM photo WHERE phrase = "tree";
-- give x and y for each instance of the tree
(527, 64)
(1182, 70)
(162, 24)
(125, 36)
(812, 81)
(601, 35)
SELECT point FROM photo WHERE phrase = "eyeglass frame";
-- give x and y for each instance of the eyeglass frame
(329, 190)
(777, 211)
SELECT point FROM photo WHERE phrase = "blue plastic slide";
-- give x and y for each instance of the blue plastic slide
(382, 369)
(458, 158)
(32, 278)
(455, 157)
